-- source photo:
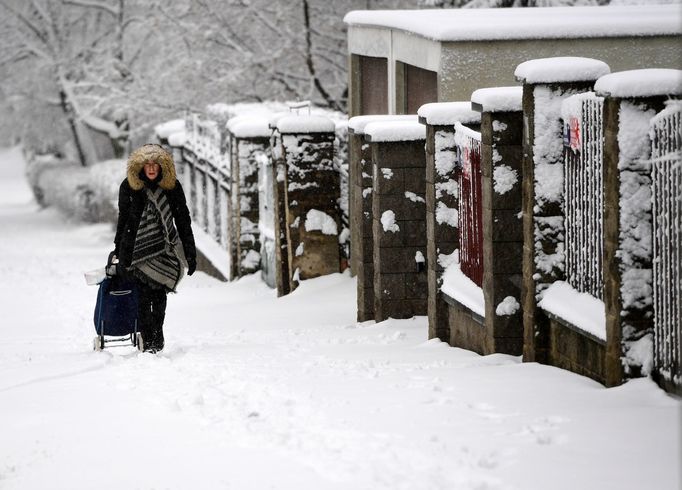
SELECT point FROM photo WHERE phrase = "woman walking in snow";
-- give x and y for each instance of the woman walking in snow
(154, 241)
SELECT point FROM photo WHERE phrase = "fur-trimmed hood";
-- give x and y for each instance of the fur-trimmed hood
(156, 154)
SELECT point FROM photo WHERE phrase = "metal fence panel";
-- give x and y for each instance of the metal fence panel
(583, 192)
(470, 204)
(666, 173)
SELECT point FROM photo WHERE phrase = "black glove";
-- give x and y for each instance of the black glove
(191, 265)
(111, 257)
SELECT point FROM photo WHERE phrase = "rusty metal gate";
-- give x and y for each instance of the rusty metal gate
(584, 192)
(470, 204)
(666, 174)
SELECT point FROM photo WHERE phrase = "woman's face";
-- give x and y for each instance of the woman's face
(151, 170)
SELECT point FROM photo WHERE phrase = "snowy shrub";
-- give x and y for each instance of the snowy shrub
(67, 189)
(84, 193)
(35, 166)
(104, 180)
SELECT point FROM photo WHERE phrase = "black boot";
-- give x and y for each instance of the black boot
(152, 312)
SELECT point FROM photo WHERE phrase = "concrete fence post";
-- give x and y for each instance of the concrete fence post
(501, 156)
(399, 218)
(442, 200)
(360, 169)
(632, 98)
(546, 83)
(311, 197)
(279, 191)
(250, 139)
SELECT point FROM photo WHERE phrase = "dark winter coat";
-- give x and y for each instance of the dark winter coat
(132, 200)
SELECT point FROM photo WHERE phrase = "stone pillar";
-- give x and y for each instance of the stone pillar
(312, 192)
(233, 205)
(546, 83)
(501, 156)
(360, 169)
(399, 219)
(628, 221)
(279, 192)
(442, 200)
(361, 223)
(251, 140)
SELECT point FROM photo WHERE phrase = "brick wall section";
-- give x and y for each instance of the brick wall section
(361, 224)
(467, 329)
(624, 323)
(442, 238)
(501, 154)
(400, 283)
(576, 351)
(247, 232)
(312, 183)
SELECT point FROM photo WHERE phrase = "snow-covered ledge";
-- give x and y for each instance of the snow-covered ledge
(581, 310)
(390, 131)
(357, 124)
(459, 287)
(448, 113)
(212, 252)
(497, 99)
(561, 69)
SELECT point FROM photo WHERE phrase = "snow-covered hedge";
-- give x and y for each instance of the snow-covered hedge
(82, 193)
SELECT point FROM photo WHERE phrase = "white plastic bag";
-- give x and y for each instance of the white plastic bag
(94, 277)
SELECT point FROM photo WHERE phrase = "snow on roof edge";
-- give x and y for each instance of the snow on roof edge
(492, 24)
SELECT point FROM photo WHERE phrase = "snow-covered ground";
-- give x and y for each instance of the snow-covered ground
(255, 392)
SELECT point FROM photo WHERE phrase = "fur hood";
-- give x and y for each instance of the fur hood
(156, 154)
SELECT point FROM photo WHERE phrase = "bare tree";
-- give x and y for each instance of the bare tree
(93, 59)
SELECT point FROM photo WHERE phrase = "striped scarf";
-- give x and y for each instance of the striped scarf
(157, 256)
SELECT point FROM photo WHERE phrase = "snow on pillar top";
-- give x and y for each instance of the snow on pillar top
(178, 139)
(164, 130)
(357, 124)
(249, 127)
(640, 83)
(382, 132)
(296, 124)
(448, 113)
(497, 99)
(274, 118)
(561, 69)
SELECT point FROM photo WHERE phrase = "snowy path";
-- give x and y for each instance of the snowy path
(255, 392)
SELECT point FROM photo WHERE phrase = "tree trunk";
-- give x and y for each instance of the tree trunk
(71, 117)
(333, 104)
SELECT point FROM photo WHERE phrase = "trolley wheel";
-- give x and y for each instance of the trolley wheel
(139, 342)
(98, 343)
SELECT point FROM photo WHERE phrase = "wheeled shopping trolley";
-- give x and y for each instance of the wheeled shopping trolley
(116, 313)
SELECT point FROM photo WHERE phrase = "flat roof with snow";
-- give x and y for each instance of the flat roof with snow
(526, 23)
